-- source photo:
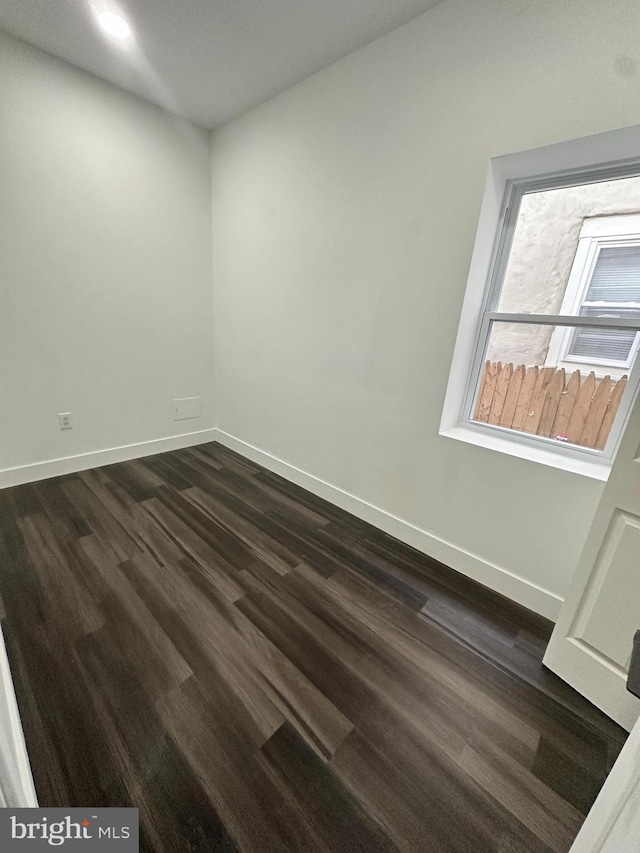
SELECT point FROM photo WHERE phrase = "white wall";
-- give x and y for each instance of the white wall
(344, 217)
(106, 306)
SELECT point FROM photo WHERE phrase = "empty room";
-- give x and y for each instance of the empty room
(320, 426)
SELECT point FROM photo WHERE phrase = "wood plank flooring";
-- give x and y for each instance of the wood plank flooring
(257, 670)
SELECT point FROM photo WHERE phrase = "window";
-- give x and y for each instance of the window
(604, 282)
(545, 361)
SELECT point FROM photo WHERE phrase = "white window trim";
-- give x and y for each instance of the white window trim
(595, 234)
(580, 160)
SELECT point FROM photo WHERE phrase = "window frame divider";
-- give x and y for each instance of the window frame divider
(564, 320)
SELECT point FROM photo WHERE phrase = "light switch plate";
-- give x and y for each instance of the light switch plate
(185, 408)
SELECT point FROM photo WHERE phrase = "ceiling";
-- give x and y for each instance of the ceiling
(208, 60)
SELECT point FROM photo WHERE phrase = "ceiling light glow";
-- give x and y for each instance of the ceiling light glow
(115, 26)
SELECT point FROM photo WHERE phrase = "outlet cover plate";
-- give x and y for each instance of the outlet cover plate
(185, 408)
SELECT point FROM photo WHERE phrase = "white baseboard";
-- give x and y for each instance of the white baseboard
(16, 781)
(495, 577)
(499, 579)
(84, 461)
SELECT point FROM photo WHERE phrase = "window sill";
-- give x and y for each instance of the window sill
(576, 462)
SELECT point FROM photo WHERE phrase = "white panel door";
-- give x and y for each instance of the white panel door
(591, 643)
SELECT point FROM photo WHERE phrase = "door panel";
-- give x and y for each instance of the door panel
(606, 620)
(591, 644)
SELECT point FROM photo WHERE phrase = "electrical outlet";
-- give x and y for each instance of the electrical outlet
(65, 420)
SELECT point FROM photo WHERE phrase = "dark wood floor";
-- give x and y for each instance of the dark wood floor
(257, 670)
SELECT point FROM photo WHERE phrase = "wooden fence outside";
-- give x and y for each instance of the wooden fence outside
(540, 401)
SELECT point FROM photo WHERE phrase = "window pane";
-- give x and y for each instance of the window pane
(522, 387)
(545, 242)
(622, 311)
(616, 277)
(610, 344)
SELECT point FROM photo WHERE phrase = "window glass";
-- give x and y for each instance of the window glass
(519, 389)
(616, 276)
(543, 248)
